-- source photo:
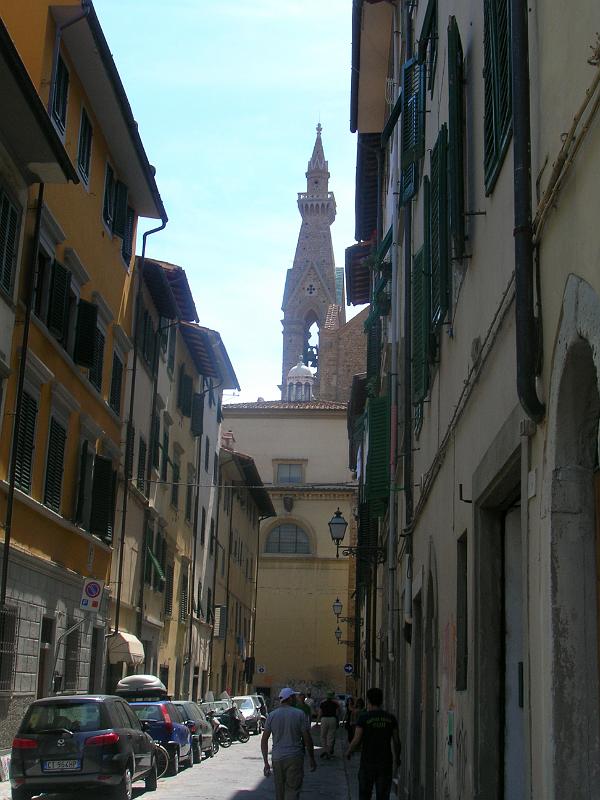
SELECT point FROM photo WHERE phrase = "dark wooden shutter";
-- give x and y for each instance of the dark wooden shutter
(116, 384)
(180, 389)
(102, 497)
(148, 552)
(497, 87)
(59, 295)
(127, 246)
(84, 148)
(120, 220)
(428, 41)
(129, 447)
(439, 229)
(54, 465)
(108, 209)
(9, 226)
(373, 350)
(25, 443)
(165, 455)
(98, 361)
(420, 328)
(141, 467)
(171, 349)
(378, 456)
(186, 399)
(156, 441)
(456, 139)
(85, 333)
(197, 414)
(175, 484)
(184, 596)
(413, 126)
(169, 590)
(61, 91)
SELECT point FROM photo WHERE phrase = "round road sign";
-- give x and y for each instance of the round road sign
(348, 669)
(93, 589)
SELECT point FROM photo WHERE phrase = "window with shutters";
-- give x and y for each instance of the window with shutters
(288, 539)
(203, 526)
(9, 242)
(497, 79)
(169, 589)
(119, 226)
(60, 95)
(156, 441)
(439, 260)
(55, 457)
(456, 133)
(84, 349)
(25, 443)
(171, 348)
(428, 42)
(220, 622)
(108, 207)
(129, 448)
(128, 244)
(378, 455)
(373, 354)
(185, 392)
(84, 489)
(197, 420)
(116, 384)
(102, 511)
(165, 454)
(95, 373)
(72, 658)
(189, 493)
(413, 126)
(84, 147)
(420, 327)
(175, 481)
(147, 339)
(141, 466)
(184, 595)
(9, 638)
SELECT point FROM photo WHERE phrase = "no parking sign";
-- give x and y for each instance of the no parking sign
(91, 594)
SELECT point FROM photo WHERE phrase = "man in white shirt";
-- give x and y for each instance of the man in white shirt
(290, 728)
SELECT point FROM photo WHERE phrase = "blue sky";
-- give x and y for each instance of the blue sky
(227, 96)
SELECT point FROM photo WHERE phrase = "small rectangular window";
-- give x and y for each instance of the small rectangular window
(184, 597)
(61, 92)
(84, 149)
(462, 616)
(289, 473)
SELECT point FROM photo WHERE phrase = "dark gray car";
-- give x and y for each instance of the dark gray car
(201, 728)
(80, 742)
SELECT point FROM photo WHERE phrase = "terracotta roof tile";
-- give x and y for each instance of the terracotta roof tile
(284, 405)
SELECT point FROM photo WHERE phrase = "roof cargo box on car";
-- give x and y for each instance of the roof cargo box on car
(139, 686)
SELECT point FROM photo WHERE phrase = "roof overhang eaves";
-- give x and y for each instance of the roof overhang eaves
(160, 290)
(255, 485)
(368, 156)
(90, 53)
(209, 354)
(26, 130)
(180, 287)
(358, 275)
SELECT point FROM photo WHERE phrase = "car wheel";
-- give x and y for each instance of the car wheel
(151, 779)
(173, 763)
(189, 762)
(197, 753)
(21, 793)
(124, 790)
(214, 748)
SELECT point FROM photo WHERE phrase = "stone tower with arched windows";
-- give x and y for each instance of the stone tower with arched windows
(314, 289)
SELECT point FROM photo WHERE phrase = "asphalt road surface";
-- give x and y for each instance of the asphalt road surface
(236, 773)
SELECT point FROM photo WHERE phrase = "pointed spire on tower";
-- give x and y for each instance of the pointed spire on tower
(317, 162)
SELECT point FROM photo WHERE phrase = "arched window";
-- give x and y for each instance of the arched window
(287, 538)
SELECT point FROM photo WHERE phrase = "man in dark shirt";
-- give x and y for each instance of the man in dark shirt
(377, 732)
(328, 719)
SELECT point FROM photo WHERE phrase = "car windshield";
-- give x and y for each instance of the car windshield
(147, 711)
(71, 716)
(245, 704)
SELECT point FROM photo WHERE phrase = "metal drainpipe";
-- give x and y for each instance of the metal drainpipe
(393, 375)
(407, 438)
(29, 288)
(526, 328)
(214, 580)
(129, 422)
(194, 549)
(57, 37)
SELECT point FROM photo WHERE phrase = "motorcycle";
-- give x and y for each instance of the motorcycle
(234, 721)
(220, 732)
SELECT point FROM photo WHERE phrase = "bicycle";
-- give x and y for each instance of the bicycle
(161, 756)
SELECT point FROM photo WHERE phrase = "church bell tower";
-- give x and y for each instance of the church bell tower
(312, 285)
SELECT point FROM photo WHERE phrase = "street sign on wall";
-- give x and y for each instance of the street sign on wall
(261, 669)
(91, 594)
(348, 669)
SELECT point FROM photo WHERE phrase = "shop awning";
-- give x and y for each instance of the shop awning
(125, 647)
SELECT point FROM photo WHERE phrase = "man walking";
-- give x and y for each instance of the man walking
(328, 717)
(290, 728)
(377, 732)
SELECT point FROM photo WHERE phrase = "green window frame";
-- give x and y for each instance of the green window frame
(420, 326)
(25, 443)
(9, 241)
(60, 94)
(413, 126)
(497, 81)
(456, 136)
(156, 442)
(120, 218)
(378, 454)
(129, 447)
(428, 42)
(84, 147)
(439, 260)
(55, 457)
(141, 465)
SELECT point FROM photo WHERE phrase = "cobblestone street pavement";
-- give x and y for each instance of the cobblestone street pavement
(236, 774)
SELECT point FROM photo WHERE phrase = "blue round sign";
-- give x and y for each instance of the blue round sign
(348, 669)
(92, 589)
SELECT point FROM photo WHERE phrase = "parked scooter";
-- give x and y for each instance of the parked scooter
(220, 732)
(234, 721)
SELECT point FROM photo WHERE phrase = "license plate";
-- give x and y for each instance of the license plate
(55, 766)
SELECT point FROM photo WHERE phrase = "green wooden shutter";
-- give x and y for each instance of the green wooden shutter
(9, 225)
(58, 302)
(390, 124)
(456, 139)
(116, 384)
(175, 484)
(85, 333)
(413, 126)
(420, 328)
(197, 414)
(183, 598)
(497, 87)
(428, 41)
(108, 208)
(86, 465)
(148, 552)
(84, 147)
(129, 447)
(127, 245)
(120, 220)
(102, 510)
(61, 91)
(141, 467)
(25, 443)
(378, 456)
(171, 348)
(169, 590)
(439, 230)
(186, 406)
(95, 374)
(57, 438)
(156, 441)
(165, 455)
(373, 350)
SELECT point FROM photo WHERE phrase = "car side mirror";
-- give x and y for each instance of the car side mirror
(145, 725)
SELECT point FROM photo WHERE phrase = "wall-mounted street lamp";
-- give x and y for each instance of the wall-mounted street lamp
(337, 529)
(337, 607)
(338, 633)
